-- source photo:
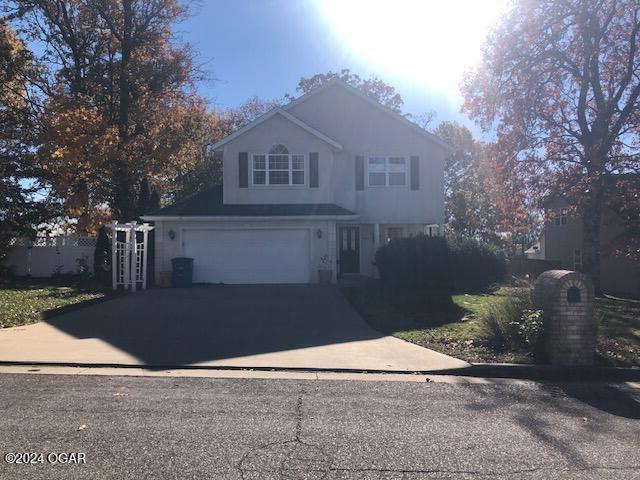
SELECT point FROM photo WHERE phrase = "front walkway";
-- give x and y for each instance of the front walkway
(227, 326)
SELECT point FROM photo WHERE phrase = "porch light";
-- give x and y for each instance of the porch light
(319, 233)
(172, 234)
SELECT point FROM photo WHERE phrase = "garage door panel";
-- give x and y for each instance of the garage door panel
(249, 256)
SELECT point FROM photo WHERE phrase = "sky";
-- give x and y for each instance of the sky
(263, 47)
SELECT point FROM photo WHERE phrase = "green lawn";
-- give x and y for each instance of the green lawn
(23, 303)
(618, 331)
(452, 326)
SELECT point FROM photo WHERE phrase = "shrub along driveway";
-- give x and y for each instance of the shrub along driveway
(241, 326)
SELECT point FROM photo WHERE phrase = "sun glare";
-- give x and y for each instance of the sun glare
(425, 43)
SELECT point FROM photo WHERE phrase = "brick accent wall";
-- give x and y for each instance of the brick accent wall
(570, 327)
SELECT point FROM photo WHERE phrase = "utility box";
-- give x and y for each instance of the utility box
(566, 298)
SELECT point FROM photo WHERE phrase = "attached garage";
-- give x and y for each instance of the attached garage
(246, 243)
(248, 256)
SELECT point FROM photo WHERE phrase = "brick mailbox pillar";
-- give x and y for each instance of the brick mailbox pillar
(566, 299)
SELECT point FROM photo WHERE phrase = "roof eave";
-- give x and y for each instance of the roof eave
(430, 136)
(263, 118)
(205, 218)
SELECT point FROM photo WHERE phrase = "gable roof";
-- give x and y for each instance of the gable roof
(209, 203)
(267, 116)
(378, 105)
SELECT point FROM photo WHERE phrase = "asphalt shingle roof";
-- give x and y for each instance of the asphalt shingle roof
(209, 203)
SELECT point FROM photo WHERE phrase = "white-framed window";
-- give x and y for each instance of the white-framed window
(387, 171)
(278, 167)
(577, 259)
(393, 232)
(560, 216)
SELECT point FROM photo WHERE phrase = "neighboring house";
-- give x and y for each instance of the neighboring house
(318, 183)
(561, 240)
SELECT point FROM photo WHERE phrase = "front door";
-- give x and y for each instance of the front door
(349, 239)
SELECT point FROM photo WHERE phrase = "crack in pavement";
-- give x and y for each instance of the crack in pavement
(296, 458)
(293, 472)
(288, 458)
(481, 473)
(298, 418)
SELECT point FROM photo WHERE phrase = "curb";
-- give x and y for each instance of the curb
(547, 372)
(480, 370)
(26, 363)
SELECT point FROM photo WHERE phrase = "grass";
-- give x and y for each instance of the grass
(618, 331)
(452, 326)
(24, 302)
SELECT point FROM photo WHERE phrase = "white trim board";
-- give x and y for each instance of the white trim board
(159, 218)
(267, 116)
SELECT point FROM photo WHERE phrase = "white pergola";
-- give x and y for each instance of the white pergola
(129, 258)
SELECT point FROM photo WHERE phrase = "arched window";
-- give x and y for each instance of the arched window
(279, 149)
(278, 167)
(573, 295)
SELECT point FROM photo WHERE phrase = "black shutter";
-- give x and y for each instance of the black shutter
(359, 172)
(243, 169)
(415, 172)
(313, 170)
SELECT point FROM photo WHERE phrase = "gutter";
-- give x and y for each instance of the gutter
(240, 218)
(538, 373)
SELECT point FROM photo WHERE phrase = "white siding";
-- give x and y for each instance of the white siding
(278, 130)
(363, 130)
(166, 249)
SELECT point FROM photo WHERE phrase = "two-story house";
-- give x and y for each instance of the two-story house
(317, 183)
(562, 237)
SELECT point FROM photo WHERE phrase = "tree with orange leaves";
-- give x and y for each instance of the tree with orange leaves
(560, 82)
(483, 198)
(119, 102)
(20, 212)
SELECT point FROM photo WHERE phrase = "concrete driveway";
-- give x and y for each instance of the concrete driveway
(240, 326)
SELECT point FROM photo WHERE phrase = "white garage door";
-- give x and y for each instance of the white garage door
(248, 256)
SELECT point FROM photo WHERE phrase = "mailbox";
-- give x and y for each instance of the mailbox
(566, 298)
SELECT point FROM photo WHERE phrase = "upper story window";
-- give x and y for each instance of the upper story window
(279, 149)
(387, 171)
(560, 216)
(278, 167)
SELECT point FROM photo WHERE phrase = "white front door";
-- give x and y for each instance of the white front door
(248, 256)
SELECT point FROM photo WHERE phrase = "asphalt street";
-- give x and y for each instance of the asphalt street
(210, 428)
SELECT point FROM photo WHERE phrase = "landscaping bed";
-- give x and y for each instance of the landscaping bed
(457, 324)
(28, 301)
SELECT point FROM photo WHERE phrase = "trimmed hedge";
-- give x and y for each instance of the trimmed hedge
(437, 263)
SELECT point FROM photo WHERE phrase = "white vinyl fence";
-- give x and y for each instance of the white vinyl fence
(46, 256)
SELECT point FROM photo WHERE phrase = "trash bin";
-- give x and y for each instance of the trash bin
(182, 273)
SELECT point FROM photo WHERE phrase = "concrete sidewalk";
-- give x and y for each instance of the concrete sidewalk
(246, 327)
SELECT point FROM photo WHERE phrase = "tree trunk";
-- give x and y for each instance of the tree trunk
(591, 219)
(84, 218)
(123, 191)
